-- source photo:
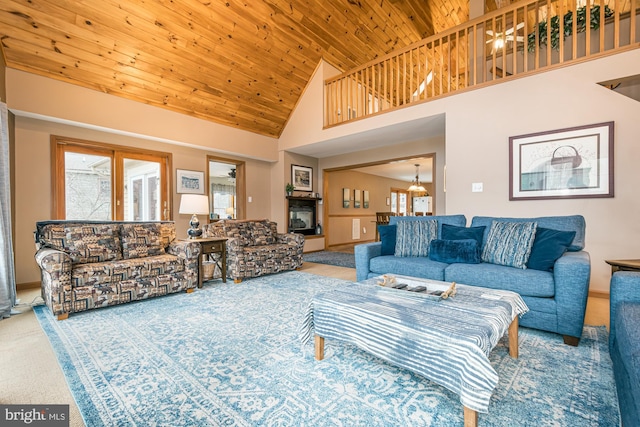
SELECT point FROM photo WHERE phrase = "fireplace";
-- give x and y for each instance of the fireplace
(302, 215)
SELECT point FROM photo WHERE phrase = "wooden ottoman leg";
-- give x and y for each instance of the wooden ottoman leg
(513, 338)
(319, 343)
(470, 417)
(63, 316)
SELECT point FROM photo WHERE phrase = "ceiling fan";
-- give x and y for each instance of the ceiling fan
(497, 41)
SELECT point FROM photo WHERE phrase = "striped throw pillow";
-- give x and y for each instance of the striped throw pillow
(509, 243)
(414, 237)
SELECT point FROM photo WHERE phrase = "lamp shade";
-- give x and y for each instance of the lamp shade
(194, 204)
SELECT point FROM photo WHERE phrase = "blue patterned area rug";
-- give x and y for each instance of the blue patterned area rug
(340, 259)
(229, 354)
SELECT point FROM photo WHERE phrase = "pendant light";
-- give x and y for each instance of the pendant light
(415, 185)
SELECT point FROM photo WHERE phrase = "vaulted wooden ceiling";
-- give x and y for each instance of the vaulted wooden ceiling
(242, 63)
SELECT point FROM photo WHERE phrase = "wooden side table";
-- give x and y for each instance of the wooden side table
(209, 247)
(624, 265)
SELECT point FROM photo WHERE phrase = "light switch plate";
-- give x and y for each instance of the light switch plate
(476, 187)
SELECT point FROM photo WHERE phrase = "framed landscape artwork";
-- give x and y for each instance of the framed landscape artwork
(302, 177)
(562, 164)
(189, 182)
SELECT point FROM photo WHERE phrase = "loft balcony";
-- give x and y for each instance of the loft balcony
(525, 38)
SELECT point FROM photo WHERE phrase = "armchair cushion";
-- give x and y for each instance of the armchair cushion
(92, 243)
(141, 240)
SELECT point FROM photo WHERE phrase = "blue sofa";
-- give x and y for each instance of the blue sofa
(624, 343)
(556, 299)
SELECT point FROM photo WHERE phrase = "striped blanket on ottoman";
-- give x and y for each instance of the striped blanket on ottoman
(445, 340)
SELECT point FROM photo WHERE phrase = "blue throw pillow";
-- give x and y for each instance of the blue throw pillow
(548, 246)
(413, 237)
(453, 232)
(509, 243)
(387, 239)
(462, 250)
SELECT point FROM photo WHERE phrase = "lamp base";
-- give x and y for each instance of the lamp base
(194, 232)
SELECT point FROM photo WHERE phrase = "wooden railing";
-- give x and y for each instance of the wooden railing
(515, 41)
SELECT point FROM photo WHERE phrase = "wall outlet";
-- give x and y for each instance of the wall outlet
(476, 187)
(249, 199)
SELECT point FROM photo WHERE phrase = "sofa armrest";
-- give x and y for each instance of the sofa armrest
(55, 270)
(363, 255)
(187, 250)
(571, 275)
(293, 239)
(625, 287)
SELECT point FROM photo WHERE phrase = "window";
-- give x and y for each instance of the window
(97, 181)
(399, 201)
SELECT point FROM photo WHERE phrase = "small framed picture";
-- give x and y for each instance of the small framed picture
(356, 198)
(302, 177)
(189, 182)
(346, 195)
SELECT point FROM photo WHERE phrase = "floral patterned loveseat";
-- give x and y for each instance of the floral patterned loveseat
(92, 264)
(255, 248)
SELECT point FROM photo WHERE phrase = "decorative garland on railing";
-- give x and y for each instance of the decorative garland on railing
(568, 26)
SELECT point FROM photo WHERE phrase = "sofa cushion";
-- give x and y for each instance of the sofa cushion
(534, 283)
(564, 222)
(387, 239)
(408, 266)
(450, 251)
(141, 240)
(509, 243)
(548, 246)
(453, 232)
(413, 237)
(92, 243)
(104, 273)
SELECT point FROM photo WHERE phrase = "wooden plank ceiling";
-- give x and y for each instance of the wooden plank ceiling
(241, 63)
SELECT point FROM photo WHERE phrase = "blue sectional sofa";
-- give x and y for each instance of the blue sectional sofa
(624, 343)
(556, 299)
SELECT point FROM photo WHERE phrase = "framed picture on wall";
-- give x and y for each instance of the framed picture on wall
(302, 177)
(365, 199)
(346, 195)
(356, 198)
(189, 182)
(562, 164)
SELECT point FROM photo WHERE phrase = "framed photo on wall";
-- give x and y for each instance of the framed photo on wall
(189, 182)
(356, 198)
(562, 164)
(302, 177)
(346, 195)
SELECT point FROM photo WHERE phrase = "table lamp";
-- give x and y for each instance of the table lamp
(194, 204)
(229, 212)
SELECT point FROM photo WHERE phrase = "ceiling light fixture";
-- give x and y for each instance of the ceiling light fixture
(415, 185)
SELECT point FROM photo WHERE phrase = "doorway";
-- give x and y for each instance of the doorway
(226, 184)
(387, 184)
